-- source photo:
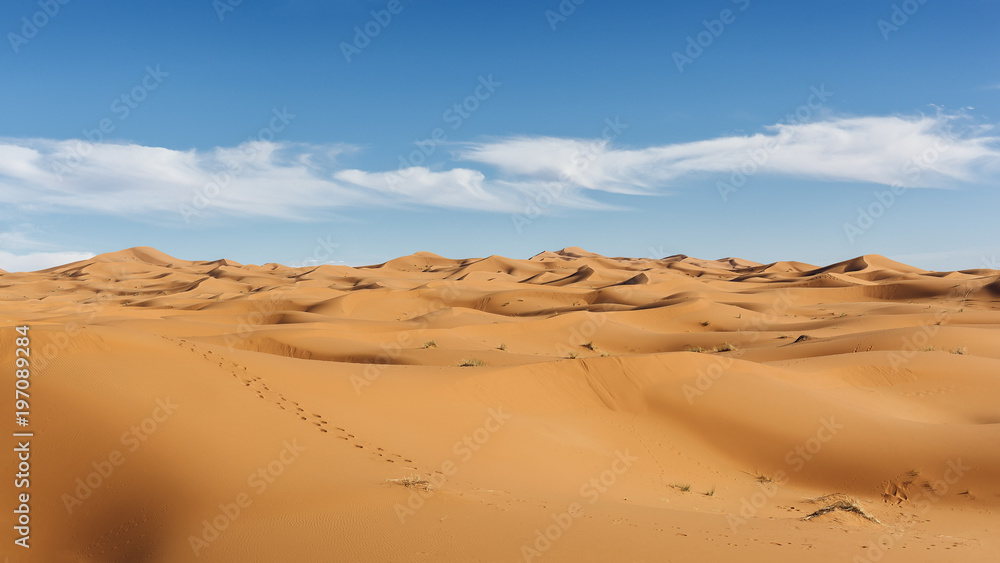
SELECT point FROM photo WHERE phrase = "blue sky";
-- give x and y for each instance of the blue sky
(354, 131)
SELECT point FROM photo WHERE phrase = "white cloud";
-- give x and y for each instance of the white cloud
(457, 188)
(39, 260)
(287, 180)
(21, 253)
(19, 239)
(913, 152)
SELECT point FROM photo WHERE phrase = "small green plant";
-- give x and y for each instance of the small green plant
(724, 347)
(471, 363)
(589, 346)
(698, 349)
(710, 493)
(683, 488)
(960, 351)
(706, 323)
(931, 348)
(502, 347)
(571, 355)
(430, 344)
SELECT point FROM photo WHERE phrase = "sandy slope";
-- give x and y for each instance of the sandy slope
(631, 409)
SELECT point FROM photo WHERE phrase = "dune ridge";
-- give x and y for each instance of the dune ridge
(709, 409)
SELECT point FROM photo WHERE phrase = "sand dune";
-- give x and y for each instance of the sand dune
(568, 407)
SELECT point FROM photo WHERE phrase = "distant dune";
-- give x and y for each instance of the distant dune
(569, 407)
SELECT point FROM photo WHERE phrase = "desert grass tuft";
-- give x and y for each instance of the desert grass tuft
(759, 477)
(411, 482)
(839, 501)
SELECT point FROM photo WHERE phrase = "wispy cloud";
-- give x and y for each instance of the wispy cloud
(20, 239)
(288, 180)
(881, 150)
(39, 260)
(19, 252)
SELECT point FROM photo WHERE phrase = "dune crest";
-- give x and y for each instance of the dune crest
(398, 410)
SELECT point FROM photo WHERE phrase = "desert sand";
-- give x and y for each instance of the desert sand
(568, 407)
